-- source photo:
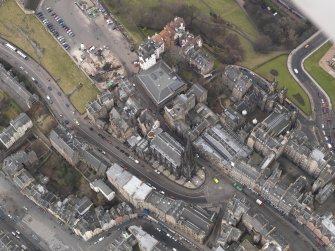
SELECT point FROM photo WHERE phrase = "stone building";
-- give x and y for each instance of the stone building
(305, 154)
(325, 192)
(220, 145)
(66, 144)
(12, 164)
(175, 114)
(249, 90)
(95, 111)
(231, 118)
(198, 60)
(100, 186)
(236, 81)
(106, 99)
(119, 127)
(16, 129)
(168, 152)
(271, 135)
(199, 92)
(161, 83)
(147, 122)
(188, 165)
(149, 51)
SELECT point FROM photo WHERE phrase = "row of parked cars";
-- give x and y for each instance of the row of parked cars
(62, 24)
(53, 30)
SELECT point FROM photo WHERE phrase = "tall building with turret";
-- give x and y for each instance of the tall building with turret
(187, 162)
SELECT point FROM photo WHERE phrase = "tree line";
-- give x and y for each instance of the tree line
(224, 44)
(277, 30)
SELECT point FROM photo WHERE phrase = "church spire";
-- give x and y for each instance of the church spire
(188, 163)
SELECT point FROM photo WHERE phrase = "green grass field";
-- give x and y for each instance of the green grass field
(325, 80)
(252, 58)
(26, 32)
(8, 109)
(229, 10)
(295, 93)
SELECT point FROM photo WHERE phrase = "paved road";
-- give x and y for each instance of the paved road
(35, 225)
(323, 116)
(62, 106)
(215, 193)
(7, 224)
(298, 237)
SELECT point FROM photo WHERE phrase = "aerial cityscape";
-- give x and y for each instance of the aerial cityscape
(169, 125)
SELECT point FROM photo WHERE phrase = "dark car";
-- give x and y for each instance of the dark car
(49, 88)
(59, 93)
(67, 105)
(101, 136)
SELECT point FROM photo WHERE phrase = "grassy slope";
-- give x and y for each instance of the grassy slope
(325, 80)
(28, 33)
(285, 79)
(229, 10)
(252, 59)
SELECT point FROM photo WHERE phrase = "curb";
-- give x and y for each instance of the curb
(308, 117)
(313, 116)
(314, 81)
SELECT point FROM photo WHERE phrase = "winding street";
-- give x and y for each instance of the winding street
(321, 118)
(61, 105)
(142, 170)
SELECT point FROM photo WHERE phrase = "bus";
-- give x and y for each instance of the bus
(8, 45)
(291, 105)
(21, 54)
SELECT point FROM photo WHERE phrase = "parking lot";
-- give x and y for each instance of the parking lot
(65, 15)
(56, 26)
(8, 241)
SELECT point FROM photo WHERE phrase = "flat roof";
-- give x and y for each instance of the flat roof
(161, 82)
(132, 185)
(142, 192)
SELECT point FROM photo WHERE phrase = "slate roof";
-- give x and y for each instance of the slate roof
(161, 82)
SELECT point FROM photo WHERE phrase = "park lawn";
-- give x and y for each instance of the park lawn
(253, 59)
(285, 79)
(81, 98)
(27, 33)
(230, 11)
(325, 80)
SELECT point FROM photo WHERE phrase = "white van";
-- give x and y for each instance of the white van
(296, 70)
